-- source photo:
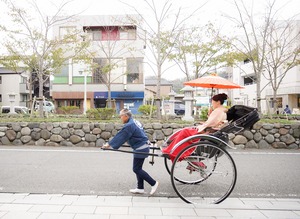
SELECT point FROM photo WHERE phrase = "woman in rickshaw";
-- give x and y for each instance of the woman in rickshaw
(215, 119)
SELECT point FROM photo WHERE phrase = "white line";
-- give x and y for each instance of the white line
(100, 150)
(266, 153)
(51, 150)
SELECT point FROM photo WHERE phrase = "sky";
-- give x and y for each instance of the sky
(211, 10)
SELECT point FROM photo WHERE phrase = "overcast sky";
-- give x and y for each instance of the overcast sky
(211, 11)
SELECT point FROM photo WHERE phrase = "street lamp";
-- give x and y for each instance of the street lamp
(84, 98)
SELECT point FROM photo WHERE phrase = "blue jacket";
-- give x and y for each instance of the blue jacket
(133, 133)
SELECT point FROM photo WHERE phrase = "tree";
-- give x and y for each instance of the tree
(29, 43)
(117, 57)
(161, 35)
(257, 42)
(253, 43)
(178, 85)
(283, 53)
(199, 50)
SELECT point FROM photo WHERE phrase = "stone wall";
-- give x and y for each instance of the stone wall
(96, 134)
(268, 136)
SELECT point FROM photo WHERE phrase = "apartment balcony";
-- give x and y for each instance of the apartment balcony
(23, 89)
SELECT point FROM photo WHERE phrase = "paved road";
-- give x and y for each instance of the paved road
(261, 174)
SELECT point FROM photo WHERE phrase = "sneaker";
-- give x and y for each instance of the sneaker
(137, 191)
(154, 188)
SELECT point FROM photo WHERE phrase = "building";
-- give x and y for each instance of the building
(151, 89)
(14, 88)
(118, 45)
(288, 92)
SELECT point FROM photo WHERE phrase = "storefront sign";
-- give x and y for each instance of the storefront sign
(119, 95)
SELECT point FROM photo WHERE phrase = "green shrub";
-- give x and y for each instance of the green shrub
(100, 113)
(204, 112)
(92, 113)
(69, 109)
(146, 109)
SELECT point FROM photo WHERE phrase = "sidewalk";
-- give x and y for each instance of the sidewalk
(59, 206)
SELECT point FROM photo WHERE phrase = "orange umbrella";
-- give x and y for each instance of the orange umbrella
(212, 81)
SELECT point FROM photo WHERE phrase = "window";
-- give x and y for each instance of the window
(24, 98)
(248, 80)
(127, 33)
(72, 103)
(111, 32)
(23, 80)
(96, 35)
(135, 71)
(0, 79)
(133, 78)
(123, 35)
(131, 34)
(278, 100)
(98, 76)
(108, 72)
(247, 61)
(75, 103)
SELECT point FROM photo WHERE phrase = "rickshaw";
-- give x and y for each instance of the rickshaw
(203, 171)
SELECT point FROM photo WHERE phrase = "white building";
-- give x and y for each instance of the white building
(13, 84)
(114, 38)
(287, 94)
(281, 44)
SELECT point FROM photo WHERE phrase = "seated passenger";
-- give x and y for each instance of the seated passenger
(215, 119)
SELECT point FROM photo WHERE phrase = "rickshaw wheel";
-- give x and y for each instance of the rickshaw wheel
(203, 173)
(168, 165)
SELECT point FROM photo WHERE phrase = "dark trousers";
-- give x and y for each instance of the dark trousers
(141, 175)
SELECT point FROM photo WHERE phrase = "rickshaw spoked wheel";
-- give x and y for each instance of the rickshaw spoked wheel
(203, 173)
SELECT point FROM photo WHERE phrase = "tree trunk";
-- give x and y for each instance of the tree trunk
(41, 90)
(158, 97)
(31, 107)
(258, 95)
(40, 98)
(275, 109)
(109, 97)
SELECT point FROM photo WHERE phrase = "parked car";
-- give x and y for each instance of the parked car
(48, 106)
(18, 109)
(179, 109)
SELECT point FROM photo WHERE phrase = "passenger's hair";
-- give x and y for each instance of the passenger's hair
(220, 97)
(126, 112)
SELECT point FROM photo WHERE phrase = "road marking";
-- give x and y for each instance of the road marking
(100, 150)
(266, 153)
(51, 150)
